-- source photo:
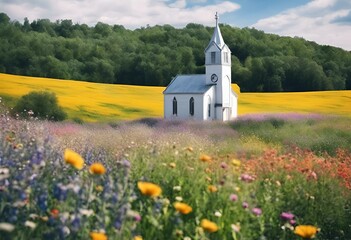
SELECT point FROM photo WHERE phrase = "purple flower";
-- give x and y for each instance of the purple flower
(233, 197)
(292, 222)
(257, 211)
(245, 205)
(287, 216)
(126, 163)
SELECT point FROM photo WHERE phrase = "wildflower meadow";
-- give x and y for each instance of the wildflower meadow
(259, 177)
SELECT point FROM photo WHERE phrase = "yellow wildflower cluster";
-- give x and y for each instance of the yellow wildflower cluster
(306, 231)
(98, 236)
(209, 226)
(183, 208)
(149, 189)
(74, 159)
(97, 168)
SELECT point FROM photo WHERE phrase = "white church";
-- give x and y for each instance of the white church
(204, 96)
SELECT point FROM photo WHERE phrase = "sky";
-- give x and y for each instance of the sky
(327, 22)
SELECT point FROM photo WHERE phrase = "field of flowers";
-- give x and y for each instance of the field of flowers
(94, 102)
(153, 179)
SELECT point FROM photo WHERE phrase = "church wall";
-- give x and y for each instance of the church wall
(234, 101)
(183, 112)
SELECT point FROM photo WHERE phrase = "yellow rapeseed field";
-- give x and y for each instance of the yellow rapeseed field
(106, 102)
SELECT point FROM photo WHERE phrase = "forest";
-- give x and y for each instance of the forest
(152, 56)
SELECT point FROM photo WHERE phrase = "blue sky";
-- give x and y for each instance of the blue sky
(326, 22)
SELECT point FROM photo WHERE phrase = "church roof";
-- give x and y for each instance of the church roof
(217, 36)
(188, 84)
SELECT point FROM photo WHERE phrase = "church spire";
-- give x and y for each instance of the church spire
(217, 36)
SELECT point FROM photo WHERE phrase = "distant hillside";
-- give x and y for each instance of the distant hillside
(105, 102)
(153, 55)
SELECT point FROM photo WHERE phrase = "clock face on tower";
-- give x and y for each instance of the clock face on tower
(214, 78)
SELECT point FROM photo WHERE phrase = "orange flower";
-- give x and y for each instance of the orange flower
(205, 158)
(149, 189)
(306, 231)
(97, 168)
(209, 226)
(183, 208)
(74, 159)
(212, 188)
(98, 236)
(138, 237)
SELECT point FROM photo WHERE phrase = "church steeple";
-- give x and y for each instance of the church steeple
(218, 72)
(217, 36)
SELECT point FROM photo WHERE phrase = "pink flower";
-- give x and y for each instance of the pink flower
(287, 216)
(233, 197)
(246, 178)
(245, 205)
(137, 218)
(224, 165)
(257, 211)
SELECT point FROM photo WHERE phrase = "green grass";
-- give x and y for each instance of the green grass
(316, 135)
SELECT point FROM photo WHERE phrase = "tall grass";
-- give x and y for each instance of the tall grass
(313, 132)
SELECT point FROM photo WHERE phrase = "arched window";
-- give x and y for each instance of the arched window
(191, 106)
(209, 106)
(175, 108)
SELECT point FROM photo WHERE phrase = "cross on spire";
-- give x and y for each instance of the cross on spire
(216, 17)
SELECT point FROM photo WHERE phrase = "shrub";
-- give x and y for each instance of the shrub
(42, 105)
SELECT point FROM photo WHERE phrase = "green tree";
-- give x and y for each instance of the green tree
(42, 105)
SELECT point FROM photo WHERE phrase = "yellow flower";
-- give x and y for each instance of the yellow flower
(236, 162)
(208, 179)
(138, 238)
(97, 168)
(98, 236)
(209, 226)
(306, 231)
(189, 149)
(183, 208)
(172, 165)
(205, 158)
(99, 188)
(74, 159)
(212, 188)
(149, 189)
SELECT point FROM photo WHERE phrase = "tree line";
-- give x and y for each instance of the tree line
(154, 55)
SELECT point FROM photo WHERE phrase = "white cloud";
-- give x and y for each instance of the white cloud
(315, 21)
(131, 13)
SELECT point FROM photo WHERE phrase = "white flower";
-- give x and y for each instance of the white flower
(218, 214)
(236, 227)
(86, 212)
(4, 173)
(179, 198)
(7, 227)
(177, 188)
(30, 224)
(66, 231)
